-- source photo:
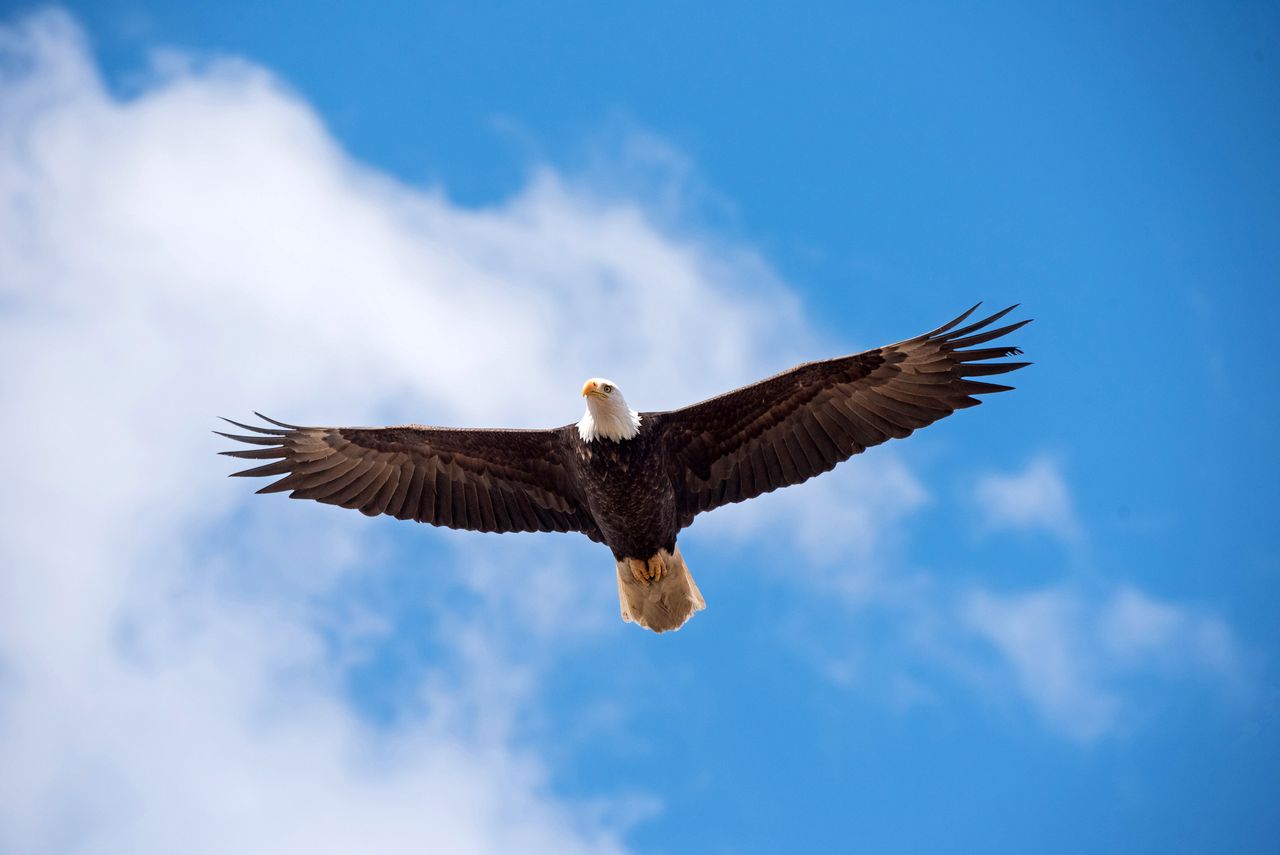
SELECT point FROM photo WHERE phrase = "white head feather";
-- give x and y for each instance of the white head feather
(607, 415)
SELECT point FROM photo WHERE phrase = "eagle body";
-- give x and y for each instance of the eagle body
(633, 481)
(627, 485)
(627, 490)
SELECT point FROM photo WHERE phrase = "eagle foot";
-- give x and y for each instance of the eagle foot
(646, 572)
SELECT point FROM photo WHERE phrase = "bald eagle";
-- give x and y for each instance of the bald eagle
(630, 480)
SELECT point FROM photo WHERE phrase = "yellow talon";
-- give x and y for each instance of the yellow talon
(638, 569)
(656, 567)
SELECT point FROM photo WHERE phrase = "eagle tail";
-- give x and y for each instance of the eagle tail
(659, 604)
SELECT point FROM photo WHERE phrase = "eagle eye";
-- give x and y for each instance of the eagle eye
(606, 388)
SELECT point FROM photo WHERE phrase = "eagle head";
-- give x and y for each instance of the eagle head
(607, 415)
(599, 388)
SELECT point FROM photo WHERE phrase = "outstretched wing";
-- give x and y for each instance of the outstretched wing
(481, 480)
(802, 422)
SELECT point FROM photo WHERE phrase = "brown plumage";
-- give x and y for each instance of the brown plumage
(479, 480)
(802, 422)
(636, 491)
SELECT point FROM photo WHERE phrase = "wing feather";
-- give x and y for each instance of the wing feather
(485, 480)
(390, 484)
(802, 422)
(362, 488)
(403, 483)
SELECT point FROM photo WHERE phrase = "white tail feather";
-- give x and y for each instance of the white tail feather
(662, 605)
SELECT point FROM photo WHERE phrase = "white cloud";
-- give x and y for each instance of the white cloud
(1035, 498)
(841, 524)
(1074, 654)
(1077, 653)
(169, 683)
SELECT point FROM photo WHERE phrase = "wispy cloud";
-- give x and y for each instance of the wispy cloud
(839, 527)
(1084, 656)
(1035, 498)
(1074, 655)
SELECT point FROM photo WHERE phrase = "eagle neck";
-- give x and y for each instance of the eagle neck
(608, 421)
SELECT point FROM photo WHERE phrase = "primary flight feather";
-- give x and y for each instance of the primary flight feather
(633, 480)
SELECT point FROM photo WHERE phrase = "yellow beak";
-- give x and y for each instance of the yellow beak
(592, 388)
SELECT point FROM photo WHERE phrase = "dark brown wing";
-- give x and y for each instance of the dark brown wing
(802, 422)
(481, 480)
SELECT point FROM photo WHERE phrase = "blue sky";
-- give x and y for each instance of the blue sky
(1045, 624)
